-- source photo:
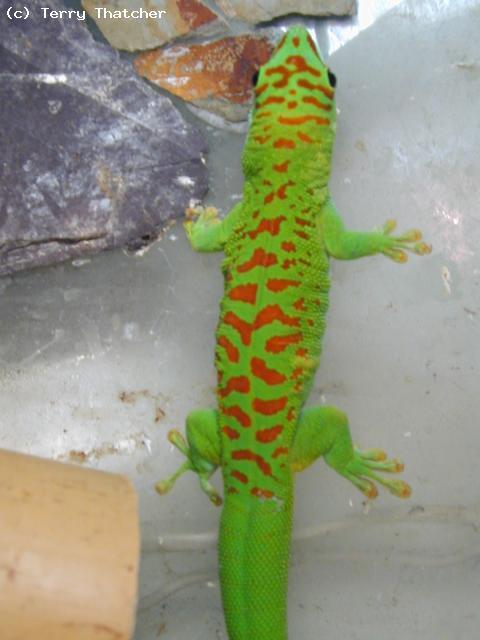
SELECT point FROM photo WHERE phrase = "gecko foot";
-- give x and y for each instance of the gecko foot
(363, 470)
(395, 247)
(202, 468)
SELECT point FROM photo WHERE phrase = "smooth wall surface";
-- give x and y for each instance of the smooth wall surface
(101, 358)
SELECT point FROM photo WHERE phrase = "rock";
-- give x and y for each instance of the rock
(216, 76)
(166, 19)
(92, 158)
(261, 10)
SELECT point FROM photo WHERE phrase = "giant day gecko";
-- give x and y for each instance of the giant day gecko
(277, 243)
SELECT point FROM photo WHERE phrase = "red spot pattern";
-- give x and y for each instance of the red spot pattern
(269, 435)
(244, 293)
(282, 167)
(239, 414)
(304, 137)
(231, 433)
(300, 304)
(246, 454)
(306, 84)
(302, 120)
(231, 350)
(277, 344)
(260, 258)
(269, 407)
(262, 493)
(238, 475)
(261, 370)
(241, 384)
(268, 225)
(284, 143)
(288, 246)
(280, 451)
(317, 103)
(280, 284)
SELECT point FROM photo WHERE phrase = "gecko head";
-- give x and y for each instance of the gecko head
(294, 70)
(294, 109)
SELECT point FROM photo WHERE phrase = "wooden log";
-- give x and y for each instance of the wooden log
(69, 551)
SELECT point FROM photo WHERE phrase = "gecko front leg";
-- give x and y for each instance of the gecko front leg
(348, 245)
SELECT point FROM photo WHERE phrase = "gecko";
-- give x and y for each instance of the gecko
(277, 243)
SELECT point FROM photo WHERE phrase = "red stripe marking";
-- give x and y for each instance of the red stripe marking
(268, 225)
(302, 234)
(284, 143)
(281, 168)
(238, 475)
(301, 352)
(306, 84)
(232, 352)
(262, 493)
(241, 384)
(296, 373)
(277, 344)
(283, 71)
(239, 414)
(303, 223)
(273, 312)
(292, 104)
(260, 258)
(244, 293)
(269, 435)
(302, 119)
(269, 407)
(231, 433)
(280, 284)
(304, 137)
(302, 66)
(246, 454)
(317, 103)
(280, 451)
(271, 100)
(267, 315)
(243, 328)
(260, 370)
(288, 246)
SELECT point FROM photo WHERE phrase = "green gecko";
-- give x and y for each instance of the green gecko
(277, 243)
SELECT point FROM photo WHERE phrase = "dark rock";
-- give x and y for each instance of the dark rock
(92, 158)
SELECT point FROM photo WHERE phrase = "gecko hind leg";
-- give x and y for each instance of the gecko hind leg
(324, 431)
(201, 449)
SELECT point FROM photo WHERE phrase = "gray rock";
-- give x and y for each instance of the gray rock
(260, 10)
(92, 158)
(158, 21)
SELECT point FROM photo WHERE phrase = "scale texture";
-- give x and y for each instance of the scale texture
(277, 243)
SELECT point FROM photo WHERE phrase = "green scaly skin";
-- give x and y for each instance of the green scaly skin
(277, 244)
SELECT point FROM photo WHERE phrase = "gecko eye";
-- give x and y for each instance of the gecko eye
(332, 78)
(255, 78)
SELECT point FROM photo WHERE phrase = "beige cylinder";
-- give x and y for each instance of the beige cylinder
(69, 552)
